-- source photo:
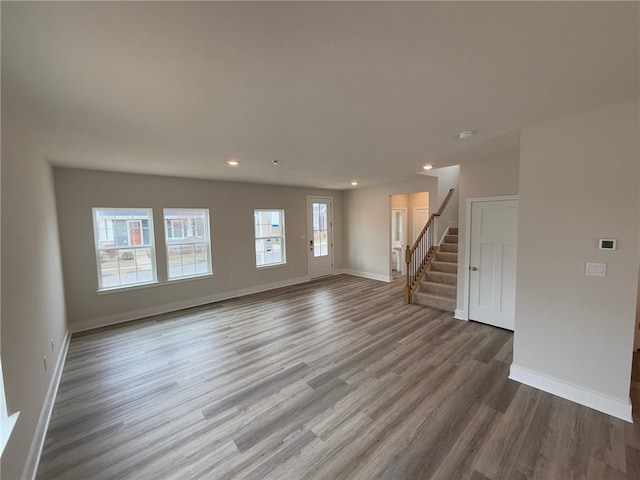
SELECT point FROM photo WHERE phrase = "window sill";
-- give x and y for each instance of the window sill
(108, 291)
(189, 278)
(274, 265)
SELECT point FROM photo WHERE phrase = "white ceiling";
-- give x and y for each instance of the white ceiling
(335, 91)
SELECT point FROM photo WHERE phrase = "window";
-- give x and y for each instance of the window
(188, 242)
(124, 247)
(269, 231)
(320, 230)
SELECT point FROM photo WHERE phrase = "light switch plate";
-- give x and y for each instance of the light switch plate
(607, 243)
(596, 269)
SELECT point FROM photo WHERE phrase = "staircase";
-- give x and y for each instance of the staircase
(438, 288)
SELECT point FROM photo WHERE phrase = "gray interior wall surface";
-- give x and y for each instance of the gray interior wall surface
(33, 310)
(485, 178)
(367, 224)
(579, 183)
(231, 206)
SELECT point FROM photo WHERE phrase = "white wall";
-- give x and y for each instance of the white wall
(231, 207)
(483, 178)
(578, 183)
(448, 178)
(33, 310)
(367, 225)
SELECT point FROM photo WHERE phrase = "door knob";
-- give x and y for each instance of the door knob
(473, 269)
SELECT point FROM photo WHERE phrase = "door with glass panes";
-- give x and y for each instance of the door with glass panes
(320, 236)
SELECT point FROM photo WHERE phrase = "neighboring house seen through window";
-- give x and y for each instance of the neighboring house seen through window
(124, 247)
(188, 242)
(269, 241)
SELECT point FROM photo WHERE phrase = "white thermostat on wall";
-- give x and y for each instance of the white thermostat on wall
(607, 244)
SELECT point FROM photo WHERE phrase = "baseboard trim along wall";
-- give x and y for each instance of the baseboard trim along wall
(460, 315)
(31, 467)
(172, 307)
(369, 275)
(585, 397)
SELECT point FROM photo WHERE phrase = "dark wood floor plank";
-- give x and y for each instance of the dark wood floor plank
(334, 379)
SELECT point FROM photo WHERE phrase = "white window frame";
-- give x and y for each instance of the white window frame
(281, 237)
(174, 241)
(7, 422)
(112, 232)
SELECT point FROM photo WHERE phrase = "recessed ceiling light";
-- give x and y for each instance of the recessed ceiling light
(466, 134)
(354, 183)
(276, 162)
(428, 167)
(233, 162)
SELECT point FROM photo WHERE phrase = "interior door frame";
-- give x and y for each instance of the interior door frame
(405, 235)
(414, 210)
(310, 230)
(464, 313)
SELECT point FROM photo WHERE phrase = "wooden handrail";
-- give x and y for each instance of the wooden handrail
(428, 251)
(432, 218)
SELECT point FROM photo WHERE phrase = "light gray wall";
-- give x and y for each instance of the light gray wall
(231, 208)
(578, 183)
(484, 178)
(33, 310)
(367, 225)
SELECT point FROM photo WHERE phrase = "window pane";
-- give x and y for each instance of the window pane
(269, 237)
(124, 246)
(188, 242)
(320, 230)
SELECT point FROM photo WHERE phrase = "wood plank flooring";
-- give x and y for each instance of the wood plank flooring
(335, 379)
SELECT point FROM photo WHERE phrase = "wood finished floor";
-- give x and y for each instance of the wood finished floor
(335, 379)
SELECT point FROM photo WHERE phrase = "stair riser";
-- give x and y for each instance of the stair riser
(453, 231)
(442, 304)
(439, 277)
(447, 257)
(441, 289)
(448, 247)
(445, 267)
(451, 239)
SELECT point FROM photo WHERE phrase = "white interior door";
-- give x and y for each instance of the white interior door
(398, 238)
(320, 236)
(492, 276)
(420, 219)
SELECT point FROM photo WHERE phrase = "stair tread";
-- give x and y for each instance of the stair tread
(450, 291)
(433, 295)
(438, 283)
(435, 301)
(442, 273)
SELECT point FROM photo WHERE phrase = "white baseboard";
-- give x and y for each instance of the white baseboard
(172, 307)
(460, 314)
(31, 467)
(580, 395)
(369, 275)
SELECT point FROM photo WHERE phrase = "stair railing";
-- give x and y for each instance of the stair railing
(421, 254)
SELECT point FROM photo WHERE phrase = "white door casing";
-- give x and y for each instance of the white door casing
(492, 262)
(320, 236)
(398, 237)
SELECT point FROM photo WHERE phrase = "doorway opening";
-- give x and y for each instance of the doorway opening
(409, 214)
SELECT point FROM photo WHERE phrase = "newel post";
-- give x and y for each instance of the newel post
(407, 288)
